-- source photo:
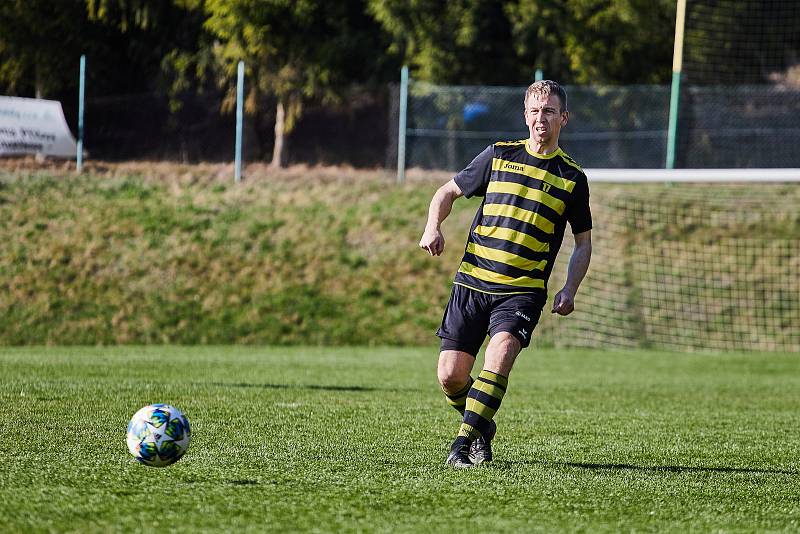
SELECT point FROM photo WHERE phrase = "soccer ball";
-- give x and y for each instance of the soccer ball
(158, 435)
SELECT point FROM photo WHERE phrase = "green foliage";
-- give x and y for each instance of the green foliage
(293, 50)
(165, 38)
(40, 42)
(458, 42)
(489, 41)
(130, 46)
(309, 49)
(760, 45)
(131, 14)
(623, 42)
(596, 41)
(317, 439)
(306, 50)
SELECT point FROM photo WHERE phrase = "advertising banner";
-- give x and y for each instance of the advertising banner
(34, 126)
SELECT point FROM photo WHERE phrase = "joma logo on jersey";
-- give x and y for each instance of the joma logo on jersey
(513, 167)
(546, 187)
(523, 315)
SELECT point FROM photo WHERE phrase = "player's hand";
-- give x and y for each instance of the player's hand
(563, 303)
(432, 241)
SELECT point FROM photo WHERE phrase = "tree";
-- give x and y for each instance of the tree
(129, 44)
(294, 50)
(741, 42)
(455, 42)
(152, 43)
(596, 41)
(40, 42)
(496, 42)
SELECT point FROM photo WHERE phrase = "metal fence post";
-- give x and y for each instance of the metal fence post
(239, 118)
(674, 99)
(401, 136)
(81, 93)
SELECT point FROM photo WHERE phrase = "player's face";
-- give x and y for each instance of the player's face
(545, 119)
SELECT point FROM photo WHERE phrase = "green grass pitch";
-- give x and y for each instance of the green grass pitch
(353, 439)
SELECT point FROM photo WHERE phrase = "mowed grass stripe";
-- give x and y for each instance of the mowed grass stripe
(303, 439)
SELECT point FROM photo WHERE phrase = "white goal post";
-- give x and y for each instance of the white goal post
(692, 175)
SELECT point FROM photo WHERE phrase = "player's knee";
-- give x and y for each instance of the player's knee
(503, 345)
(501, 353)
(451, 380)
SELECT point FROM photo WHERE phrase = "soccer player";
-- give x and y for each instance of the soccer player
(530, 190)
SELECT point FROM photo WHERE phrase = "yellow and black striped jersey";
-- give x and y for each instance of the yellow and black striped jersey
(517, 231)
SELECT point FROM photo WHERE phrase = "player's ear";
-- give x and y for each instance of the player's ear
(564, 117)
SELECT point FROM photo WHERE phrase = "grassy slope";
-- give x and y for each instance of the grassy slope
(191, 258)
(353, 440)
(158, 253)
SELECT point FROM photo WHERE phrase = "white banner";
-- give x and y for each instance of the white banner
(34, 126)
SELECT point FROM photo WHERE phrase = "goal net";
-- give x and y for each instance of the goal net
(696, 261)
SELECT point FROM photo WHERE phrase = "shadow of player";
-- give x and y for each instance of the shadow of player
(307, 386)
(651, 468)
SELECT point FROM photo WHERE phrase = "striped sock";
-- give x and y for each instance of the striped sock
(483, 400)
(458, 400)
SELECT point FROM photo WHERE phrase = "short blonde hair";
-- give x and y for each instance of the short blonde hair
(543, 89)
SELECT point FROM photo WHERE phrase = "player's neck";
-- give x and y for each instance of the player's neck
(543, 149)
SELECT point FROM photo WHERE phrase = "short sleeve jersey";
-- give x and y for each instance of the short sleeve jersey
(528, 200)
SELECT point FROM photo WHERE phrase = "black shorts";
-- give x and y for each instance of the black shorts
(470, 315)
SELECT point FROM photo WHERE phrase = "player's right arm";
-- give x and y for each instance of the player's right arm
(442, 202)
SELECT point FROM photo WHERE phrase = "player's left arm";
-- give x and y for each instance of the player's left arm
(564, 301)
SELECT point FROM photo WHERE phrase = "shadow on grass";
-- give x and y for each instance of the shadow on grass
(651, 468)
(307, 386)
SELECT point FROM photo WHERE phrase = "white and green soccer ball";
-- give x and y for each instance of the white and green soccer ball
(158, 435)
